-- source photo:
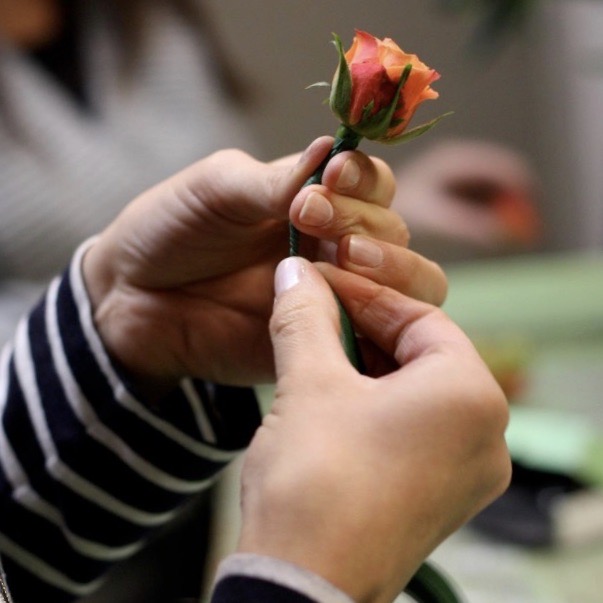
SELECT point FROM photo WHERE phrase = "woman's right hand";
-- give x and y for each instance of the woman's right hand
(358, 478)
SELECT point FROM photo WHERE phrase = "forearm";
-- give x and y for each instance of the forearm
(87, 466)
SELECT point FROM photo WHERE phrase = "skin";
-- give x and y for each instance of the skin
(377, 469)
(182, 281)
(358, 478)
(29, 23)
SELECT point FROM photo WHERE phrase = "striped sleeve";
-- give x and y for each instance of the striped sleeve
(87, 470)
(251, 578)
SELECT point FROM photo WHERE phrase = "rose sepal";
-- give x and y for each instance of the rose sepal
(427, 585)
(416, 131)
(341, 89)
(375, 127)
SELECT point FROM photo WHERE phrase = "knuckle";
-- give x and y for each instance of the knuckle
(440, 280)
(276, 179)
(488, 406)
(496, 473)
(290, 316)
(227, 157)
(502, 473)
(213, 174)
(490, 416)
(385, 180)
(400, 232)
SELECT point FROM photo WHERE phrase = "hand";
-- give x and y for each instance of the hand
(470, 197)
(181, 282)
(358, 478)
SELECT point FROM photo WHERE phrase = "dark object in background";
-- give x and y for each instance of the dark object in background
(524, 514)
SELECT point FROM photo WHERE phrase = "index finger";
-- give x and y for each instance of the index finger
(403, 327)
(357, 175)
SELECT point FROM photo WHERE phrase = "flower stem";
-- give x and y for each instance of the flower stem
(427, 585)
(345, 140)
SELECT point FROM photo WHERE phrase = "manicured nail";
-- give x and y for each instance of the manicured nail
(364, 252)
(316, 210)
(349, 176)
(288, 273)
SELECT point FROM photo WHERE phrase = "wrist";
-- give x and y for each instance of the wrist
(112, 315)
(342, 568)
(97, 275)
(283, 573)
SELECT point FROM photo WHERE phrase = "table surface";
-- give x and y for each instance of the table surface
(555, 304)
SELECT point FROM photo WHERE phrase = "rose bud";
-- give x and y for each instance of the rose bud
(377, 88)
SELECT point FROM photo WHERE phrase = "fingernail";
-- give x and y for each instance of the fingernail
(316, 210)
(288, 274)
(349, 176)
(364, 252)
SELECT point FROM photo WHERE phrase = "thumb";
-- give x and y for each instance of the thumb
(305, 327)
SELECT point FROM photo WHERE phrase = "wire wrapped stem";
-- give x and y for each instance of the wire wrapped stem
(345, 140)
(427, 585)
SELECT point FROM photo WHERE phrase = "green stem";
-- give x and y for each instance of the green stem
(427, 585)
(345, 140)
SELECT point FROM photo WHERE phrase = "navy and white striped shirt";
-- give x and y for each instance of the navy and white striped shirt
(87, 470)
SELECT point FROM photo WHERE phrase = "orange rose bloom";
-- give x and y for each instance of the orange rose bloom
(378, 74)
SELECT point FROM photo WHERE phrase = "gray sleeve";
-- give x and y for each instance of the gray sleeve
(283, 573)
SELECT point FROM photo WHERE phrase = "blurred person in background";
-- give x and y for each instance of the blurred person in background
(98, 101)
(465, 199)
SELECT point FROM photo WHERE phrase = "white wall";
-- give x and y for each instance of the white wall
(517, 94)
(568, 63)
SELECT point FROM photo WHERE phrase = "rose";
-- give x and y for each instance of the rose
(375, 92)
(377, 88)
(376, 68)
